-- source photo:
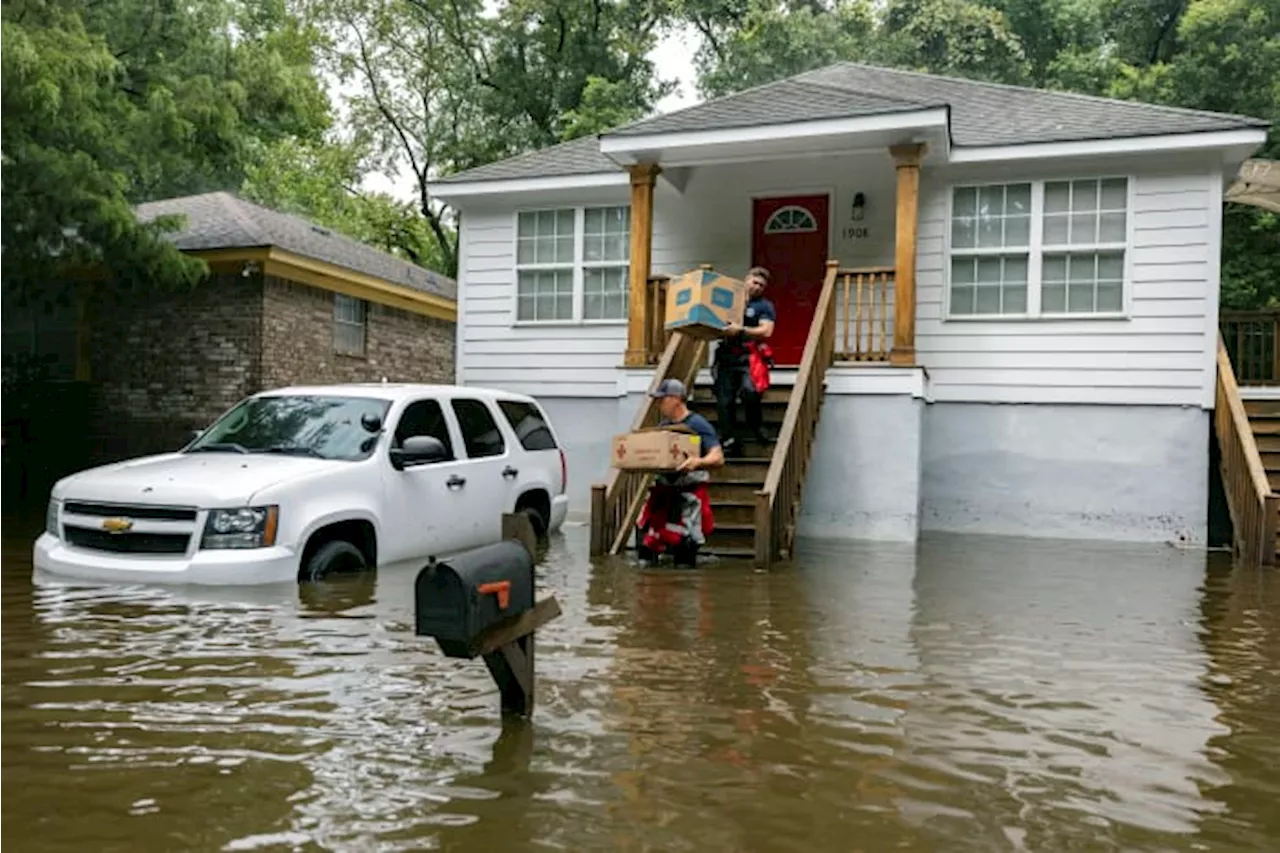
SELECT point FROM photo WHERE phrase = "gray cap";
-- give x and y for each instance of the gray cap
(668, 388)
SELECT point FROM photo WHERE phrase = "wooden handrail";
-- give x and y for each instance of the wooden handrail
(778, 501)
(865, 331)
(1254, 507)
(616, 503)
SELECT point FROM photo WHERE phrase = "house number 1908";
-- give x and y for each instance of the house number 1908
(855, 232)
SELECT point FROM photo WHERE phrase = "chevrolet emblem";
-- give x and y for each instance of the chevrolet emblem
(117, 525)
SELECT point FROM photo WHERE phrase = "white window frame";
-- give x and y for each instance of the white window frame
(1036, 251)
(342, 322)
(579, 265)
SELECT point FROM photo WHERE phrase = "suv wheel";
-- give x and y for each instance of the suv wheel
(332, 558)
(539, 523)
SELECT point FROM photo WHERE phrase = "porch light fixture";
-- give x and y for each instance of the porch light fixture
(859, 207)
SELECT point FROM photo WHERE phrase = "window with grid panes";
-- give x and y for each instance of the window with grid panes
(545, 265)
(1085, 228)
(606, 250)
(1069, 262)
(349, 323)
(990, 249)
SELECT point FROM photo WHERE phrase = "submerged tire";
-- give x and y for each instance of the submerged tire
(336, 557)
(539, 523)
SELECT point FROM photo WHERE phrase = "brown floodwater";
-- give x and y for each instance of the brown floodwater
(967, 694)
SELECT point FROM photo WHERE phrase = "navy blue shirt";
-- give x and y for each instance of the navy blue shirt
(758, 309)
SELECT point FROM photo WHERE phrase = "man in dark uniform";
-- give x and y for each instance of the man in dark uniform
(732, 366)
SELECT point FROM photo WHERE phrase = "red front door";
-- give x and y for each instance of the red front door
(789, 238)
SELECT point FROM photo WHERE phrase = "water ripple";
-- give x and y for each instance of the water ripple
(967, 694)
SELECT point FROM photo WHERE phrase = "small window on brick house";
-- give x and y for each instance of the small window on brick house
(349, 315)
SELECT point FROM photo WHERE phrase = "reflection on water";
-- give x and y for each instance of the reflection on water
(966, 694)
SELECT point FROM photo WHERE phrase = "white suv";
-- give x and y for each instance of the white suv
(302, 482)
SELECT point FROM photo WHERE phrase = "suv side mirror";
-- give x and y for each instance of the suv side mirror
(418, 450)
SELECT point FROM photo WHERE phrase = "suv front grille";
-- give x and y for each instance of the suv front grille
(151, 513)
(128, 543)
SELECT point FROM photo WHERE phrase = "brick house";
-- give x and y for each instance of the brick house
(286, 302)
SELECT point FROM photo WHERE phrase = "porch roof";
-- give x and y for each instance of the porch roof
(981, 115)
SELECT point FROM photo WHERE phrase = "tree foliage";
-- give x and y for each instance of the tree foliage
(110, 103)
(444, 85)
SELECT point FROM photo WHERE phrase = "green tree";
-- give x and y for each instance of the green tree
(321, 182)
(444, 85)
(113, 102)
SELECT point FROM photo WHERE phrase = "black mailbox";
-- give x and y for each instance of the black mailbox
(459, 598)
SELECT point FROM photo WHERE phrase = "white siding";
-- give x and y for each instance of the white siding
(708, 223)
(1161, 353)
(553, 359)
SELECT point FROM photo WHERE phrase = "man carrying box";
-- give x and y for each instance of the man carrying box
(677, 518)
(742, 362)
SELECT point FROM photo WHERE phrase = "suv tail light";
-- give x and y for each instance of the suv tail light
(564, 473)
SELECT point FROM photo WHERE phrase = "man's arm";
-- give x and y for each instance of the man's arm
(763, 330)
(713, 459)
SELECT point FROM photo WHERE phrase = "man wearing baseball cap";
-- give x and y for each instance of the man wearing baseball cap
(677, 518)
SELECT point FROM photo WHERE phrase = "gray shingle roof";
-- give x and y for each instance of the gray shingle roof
(578, 157)
(220, 220)
(982, 114)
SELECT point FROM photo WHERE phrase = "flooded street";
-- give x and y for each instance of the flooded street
(962, 695)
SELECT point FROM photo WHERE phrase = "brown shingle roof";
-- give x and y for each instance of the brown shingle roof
(220, 220)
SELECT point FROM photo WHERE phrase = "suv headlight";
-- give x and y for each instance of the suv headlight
(51, 517)
(243, 527)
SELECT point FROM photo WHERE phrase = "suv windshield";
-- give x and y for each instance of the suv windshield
(320, 427)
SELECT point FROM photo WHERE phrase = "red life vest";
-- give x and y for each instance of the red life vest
(664, 528)
(759, 360)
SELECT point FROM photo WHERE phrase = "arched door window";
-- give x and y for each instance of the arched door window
(791, 219)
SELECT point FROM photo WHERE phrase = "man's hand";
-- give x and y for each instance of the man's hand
(732, 330)
(690, 463)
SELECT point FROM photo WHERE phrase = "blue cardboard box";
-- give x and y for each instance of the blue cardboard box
(702, 302)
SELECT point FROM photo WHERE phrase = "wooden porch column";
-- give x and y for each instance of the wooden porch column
(643, 177)
(907, 161)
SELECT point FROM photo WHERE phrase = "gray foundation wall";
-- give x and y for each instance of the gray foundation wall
(1126, 473)
(888, 467)
(864, 475)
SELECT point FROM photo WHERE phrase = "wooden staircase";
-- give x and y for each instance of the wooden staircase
(756, 495)
(734, 487)
(1248, 435)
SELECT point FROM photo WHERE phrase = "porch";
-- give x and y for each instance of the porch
(858, 211)
(794, 216)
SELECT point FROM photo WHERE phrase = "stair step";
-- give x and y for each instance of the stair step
(730, 553)
(778, 395)
(732, 536)
(734, 492)
(771, 415)
(751, 469)
(1265, 424)
(734, 512)
(1268, 443)
(1262, 407)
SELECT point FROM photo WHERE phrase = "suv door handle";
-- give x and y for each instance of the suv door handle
(456, 482)
(509, 472)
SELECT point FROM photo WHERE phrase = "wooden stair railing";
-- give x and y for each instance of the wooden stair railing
(1254, 507)
(616, 503)
(865, 299)
(778, 501)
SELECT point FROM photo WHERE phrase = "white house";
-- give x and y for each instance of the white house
(1054, 372)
